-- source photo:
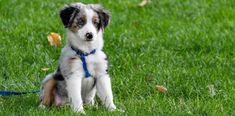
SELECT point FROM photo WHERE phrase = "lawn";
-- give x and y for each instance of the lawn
(184, 45)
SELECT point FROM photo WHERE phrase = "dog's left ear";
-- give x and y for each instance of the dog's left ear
(104, 15)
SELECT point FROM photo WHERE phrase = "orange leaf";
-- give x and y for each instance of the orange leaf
(54, 39)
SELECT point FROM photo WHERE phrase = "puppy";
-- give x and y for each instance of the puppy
(82, 65)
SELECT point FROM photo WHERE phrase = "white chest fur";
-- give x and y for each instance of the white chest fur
(70, 63)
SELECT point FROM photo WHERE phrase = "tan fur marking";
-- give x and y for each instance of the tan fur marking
(49, 92)
(73, 27)
(83, 18)
(95, 18)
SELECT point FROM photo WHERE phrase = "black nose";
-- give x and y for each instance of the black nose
(89, 36)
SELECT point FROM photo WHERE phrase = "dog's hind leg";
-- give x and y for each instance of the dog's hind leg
(48, 90)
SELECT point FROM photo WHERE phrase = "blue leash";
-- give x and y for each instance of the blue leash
(10, 93)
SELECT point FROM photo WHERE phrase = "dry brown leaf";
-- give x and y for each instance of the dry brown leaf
(45, 69)
(54, 39)
(161, 88)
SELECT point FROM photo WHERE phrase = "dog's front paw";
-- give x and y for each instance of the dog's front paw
(79, 110)
(112, 108)
(89, 102)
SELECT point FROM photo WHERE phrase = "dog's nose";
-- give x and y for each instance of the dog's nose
(89, 36)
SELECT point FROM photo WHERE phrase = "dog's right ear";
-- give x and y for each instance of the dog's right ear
(67, 15)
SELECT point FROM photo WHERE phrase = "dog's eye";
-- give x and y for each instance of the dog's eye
(96, 23)
(80, 23)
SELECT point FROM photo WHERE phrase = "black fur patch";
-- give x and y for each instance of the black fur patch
(104, 16)
(58, 76)
(66, 15)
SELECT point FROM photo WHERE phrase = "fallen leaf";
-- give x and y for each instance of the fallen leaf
(45, 69)
(54, 39)
(161, 88)
(211, 89)
(144, 2)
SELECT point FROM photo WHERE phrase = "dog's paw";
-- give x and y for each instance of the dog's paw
(120, 110)
(89, 102)
(79, 110)
(42, 106)
(112, 108)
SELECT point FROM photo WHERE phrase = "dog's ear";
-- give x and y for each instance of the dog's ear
(104, 15)
(67, 14)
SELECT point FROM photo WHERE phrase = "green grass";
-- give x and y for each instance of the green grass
(184, 45)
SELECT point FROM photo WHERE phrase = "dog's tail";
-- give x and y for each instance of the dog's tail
(48, 90)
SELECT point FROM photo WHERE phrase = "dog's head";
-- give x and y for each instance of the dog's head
(85, 21)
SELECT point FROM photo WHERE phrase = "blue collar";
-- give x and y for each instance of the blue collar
(83, 59)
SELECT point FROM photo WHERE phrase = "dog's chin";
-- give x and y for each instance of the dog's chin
(89, 40)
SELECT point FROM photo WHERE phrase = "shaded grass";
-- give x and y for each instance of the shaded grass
(183, 45)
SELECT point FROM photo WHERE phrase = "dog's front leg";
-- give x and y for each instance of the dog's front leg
(74, 92)
(104, 91)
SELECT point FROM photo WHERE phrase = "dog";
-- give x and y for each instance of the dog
(83, 66)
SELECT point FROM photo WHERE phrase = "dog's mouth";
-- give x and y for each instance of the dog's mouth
(88, 40)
